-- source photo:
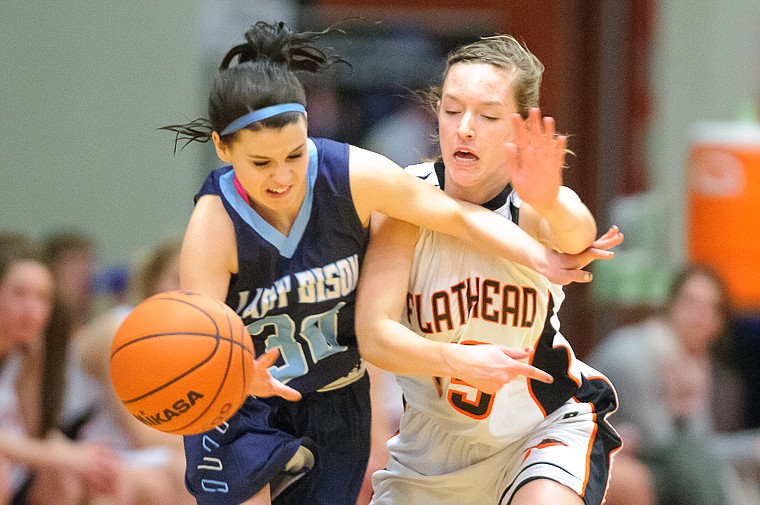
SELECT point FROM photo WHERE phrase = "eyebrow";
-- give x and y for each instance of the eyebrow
(482, 103)
(257, 156)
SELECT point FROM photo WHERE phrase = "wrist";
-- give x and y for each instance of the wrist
(542, 260)
(449, 359)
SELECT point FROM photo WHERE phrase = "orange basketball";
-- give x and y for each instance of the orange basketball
(181, 362)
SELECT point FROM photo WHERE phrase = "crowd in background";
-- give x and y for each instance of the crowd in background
(64, 436)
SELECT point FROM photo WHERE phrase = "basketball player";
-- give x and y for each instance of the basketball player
(280, 234)
(465, 436)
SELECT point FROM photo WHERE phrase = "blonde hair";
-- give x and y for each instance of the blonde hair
(504, 52)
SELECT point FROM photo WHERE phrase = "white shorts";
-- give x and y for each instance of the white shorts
(429, 465)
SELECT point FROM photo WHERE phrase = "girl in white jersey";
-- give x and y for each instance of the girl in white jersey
(470, 433)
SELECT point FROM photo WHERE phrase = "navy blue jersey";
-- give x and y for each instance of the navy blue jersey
(297, 292)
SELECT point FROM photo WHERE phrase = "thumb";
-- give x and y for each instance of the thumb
(580, 276)
(268, 359)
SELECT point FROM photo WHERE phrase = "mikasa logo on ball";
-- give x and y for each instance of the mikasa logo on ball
(177, 409)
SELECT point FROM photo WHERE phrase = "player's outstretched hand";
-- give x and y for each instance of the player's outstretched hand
(487, 367)
(536, 158)
(566, 268)
(264, 385)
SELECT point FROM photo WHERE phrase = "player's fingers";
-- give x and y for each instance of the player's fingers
(285, 392)
(534, 121)
(268, 359)
(518, 127)
(593, 253)
(517, 352)
(612, 238)
(550, 127)
(610, 232)
(580, 276)
(511, 154)
(609, 242)
(534, 373)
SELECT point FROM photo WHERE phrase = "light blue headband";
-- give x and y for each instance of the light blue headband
(260, 114)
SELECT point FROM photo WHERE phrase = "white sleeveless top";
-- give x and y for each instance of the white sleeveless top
(11, 421)
(457, 294)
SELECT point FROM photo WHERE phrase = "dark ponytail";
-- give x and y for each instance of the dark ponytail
(262, 76)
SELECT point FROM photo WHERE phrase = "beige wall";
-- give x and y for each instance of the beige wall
(84, 84)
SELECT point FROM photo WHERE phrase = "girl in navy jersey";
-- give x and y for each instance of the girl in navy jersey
(280, 234)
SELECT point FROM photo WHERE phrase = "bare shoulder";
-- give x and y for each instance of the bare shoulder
(209, 248)
(372, 177)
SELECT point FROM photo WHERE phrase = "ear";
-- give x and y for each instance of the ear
(438, 108)
(222, 149)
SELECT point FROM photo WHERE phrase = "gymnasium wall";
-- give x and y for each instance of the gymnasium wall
(85, 84)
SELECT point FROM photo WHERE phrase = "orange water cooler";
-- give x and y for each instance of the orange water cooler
(723, 205)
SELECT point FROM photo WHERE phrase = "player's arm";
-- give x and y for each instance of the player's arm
(567, 226)
(93, 462)
(386, 343)
(209, 254)
(550, 212)
(379, 185)
(207, 261)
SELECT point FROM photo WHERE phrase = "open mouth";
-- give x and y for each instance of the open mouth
(278, 191)
(465, 156)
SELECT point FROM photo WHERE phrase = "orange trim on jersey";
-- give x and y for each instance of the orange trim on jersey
(569, 362)
(542, 445)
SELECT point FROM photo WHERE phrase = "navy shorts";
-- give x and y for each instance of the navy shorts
(231, 463)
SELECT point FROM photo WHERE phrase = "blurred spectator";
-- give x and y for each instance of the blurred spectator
(666, 374)
(154, 462)
(631, 482)
(41, 465)
(71, 256)
(404, 135)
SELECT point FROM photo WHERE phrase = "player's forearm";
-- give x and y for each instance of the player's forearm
(493, 234)
(569, 225)
(27, 451)
(395, 348)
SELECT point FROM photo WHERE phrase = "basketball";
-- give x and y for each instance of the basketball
(181, 362)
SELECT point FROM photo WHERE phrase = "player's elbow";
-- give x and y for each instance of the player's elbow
(580, 240)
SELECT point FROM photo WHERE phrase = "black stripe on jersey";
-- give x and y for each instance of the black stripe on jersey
(506, 491)
(495, 203)
(598, 392)
(554, 361)
(515, 212)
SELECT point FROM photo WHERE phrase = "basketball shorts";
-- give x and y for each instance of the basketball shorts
(231, 463)
(573, 446)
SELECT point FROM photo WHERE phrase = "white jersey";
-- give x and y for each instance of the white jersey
(459, 295)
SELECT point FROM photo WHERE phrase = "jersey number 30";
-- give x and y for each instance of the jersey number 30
(318, 331)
